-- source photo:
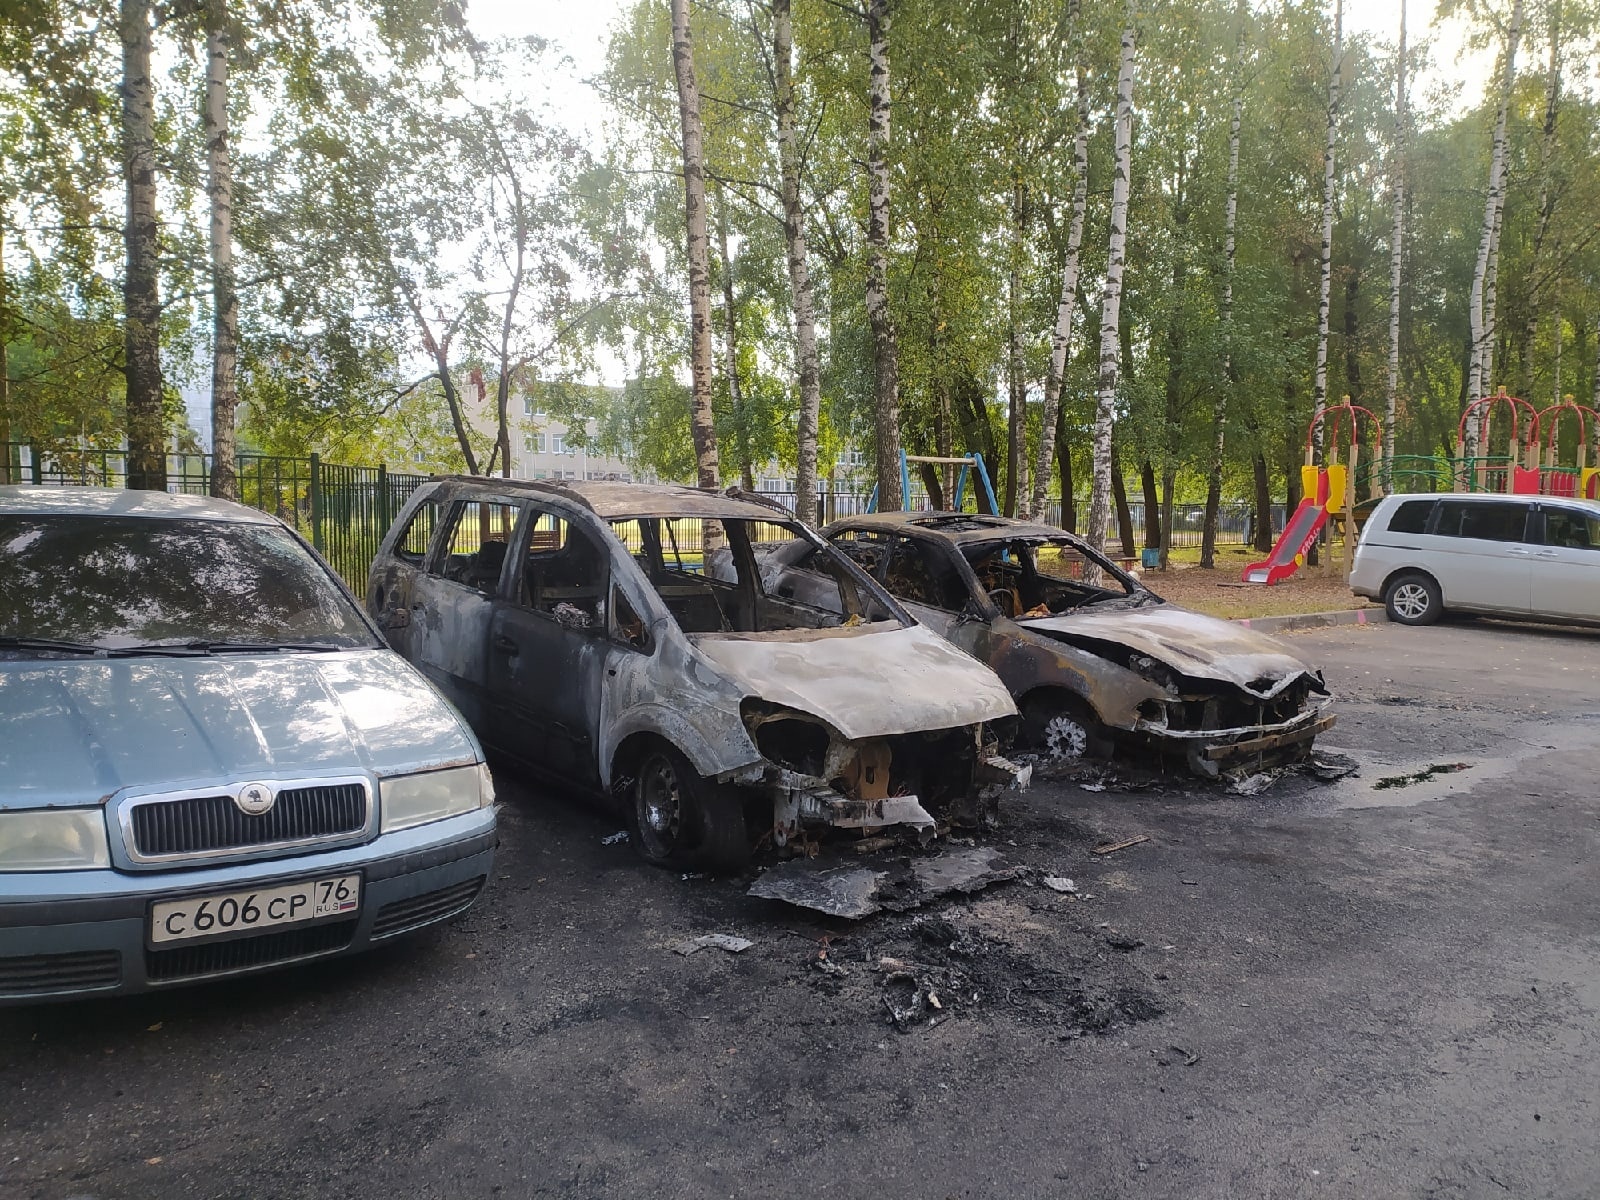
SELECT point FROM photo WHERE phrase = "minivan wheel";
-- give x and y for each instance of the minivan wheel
(1413, 599)
(679, 819)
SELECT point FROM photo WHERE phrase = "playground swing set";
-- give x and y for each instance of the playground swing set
(1329, 510)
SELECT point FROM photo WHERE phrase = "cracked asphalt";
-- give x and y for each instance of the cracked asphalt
(1327, 989)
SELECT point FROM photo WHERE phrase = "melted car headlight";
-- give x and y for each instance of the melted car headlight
(61, 839)
(409, 800)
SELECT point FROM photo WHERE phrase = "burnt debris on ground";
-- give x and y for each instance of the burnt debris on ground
(919, 973)
(857, 889)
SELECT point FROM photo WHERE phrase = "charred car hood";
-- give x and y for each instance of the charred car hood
(1189, 643)
(79, 730)
(867, 682)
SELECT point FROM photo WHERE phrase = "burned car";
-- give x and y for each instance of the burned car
(1092, 657)
(619, 638)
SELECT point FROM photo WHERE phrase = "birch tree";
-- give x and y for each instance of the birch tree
(730, 346)
(1480, 302)
(1219, 412)
(1544, 211)
(807, 364)
(1061, 338)
(1111, 300)
(885, 368)
(701, 417)
(1397, 241)
(147, 451)
(224, 292)
(1319, 386)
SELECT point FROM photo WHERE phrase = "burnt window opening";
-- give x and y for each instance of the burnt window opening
(627, 626)
(563, 572)
(724, 577)
(924, 574)
(1039, 577)
(412, 544)
(479, 539)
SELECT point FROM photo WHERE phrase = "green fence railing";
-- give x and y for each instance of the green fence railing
(343, 511)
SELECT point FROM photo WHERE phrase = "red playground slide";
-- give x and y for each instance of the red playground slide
(1293, 544)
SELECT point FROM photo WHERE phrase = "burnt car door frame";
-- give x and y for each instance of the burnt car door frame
(444, 611)
(547, 676)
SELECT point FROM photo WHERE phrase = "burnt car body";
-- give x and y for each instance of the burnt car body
(1091, 655)
(617, 638)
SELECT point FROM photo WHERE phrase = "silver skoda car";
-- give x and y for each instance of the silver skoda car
(210, 762)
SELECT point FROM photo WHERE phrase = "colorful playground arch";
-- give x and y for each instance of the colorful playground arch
(1529, 466)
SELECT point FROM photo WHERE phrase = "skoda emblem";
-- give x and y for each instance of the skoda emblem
(255, 798)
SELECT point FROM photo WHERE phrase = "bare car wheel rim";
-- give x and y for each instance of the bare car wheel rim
(1065, 738)
(1411, 600)
(660, 804)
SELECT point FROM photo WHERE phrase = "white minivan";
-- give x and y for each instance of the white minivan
(1510, 556)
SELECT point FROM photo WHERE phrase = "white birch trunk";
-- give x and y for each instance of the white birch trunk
(1480, 315)
(1547, 145)
(1219, 415)
(730, 346)
(1319, 386)
(794, 234)
(1111, 304)
(701, 419)
(1061, 340)
(225, 299)
(885, 368)
(141, 296)
(1397, 235)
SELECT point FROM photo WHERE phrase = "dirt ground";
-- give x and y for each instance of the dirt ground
(1327, 989)
(1220, 592)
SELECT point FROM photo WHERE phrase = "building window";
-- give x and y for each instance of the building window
(855, 458)
(534, 442)
(558, 444)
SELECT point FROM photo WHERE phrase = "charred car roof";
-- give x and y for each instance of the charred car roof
(614, 501)
(964, 528)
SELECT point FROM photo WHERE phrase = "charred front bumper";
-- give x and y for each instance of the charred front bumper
(1212, 743)
(816, 778)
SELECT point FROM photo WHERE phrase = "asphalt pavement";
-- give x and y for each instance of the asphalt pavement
(1380, 986)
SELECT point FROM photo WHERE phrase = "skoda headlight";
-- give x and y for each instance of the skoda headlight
(409, 800)
(53, 839)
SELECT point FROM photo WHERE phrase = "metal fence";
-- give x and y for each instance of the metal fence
(343, 511)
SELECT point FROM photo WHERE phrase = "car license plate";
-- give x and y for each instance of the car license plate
(261, 908)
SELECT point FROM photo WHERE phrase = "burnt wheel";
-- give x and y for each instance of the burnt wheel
(1062, 728)
(1413, 599)
(679, 819)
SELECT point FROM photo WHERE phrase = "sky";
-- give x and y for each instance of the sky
(581, 27)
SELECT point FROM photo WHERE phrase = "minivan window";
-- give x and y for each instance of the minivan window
(1485, 520)
(122, 582)
(1571, 530)
(1411, 516)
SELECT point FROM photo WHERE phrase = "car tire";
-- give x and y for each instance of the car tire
(1062, 728)
(1413, 599)
(679, 819)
